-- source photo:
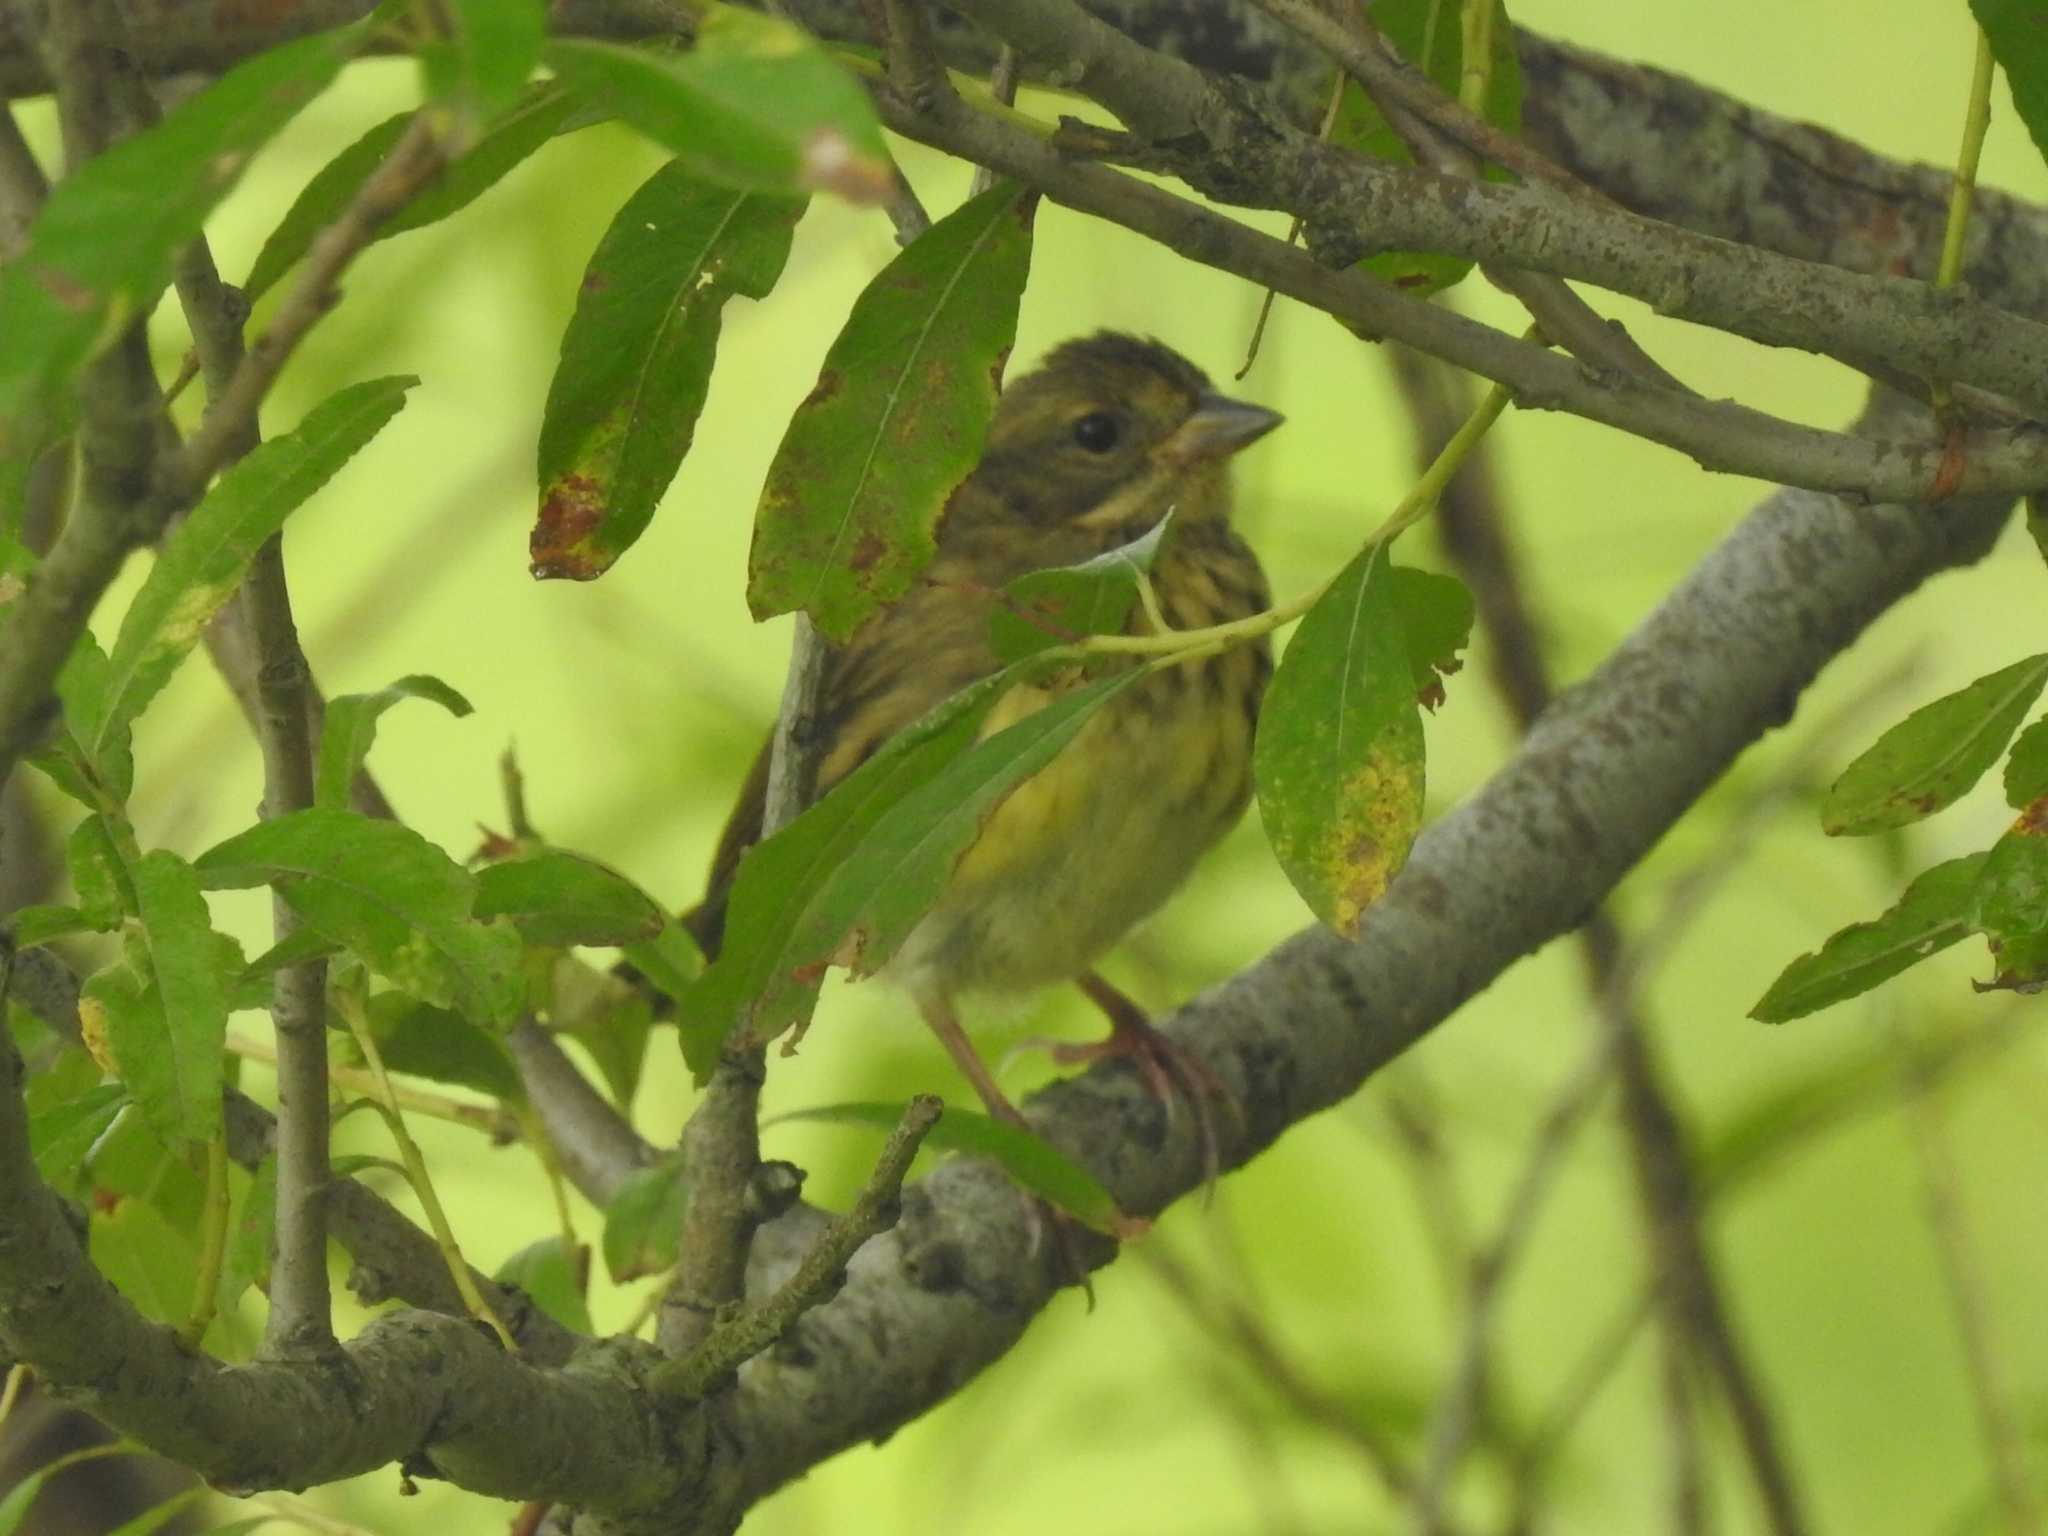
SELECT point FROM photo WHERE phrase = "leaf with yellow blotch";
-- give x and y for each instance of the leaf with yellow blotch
(1338, 762)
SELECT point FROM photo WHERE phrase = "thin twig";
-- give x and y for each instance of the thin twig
(721, 1141)
(739, 1337)
(1222, 1318)
(1002, 87)
(413, 160)
(1719, 434)
(1458, 1407)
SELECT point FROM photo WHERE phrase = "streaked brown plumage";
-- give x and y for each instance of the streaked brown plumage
(1085, 454)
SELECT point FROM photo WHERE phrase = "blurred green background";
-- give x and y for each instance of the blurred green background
(634, 704)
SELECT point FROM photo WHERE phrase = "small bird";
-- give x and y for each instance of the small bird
(1086, 454)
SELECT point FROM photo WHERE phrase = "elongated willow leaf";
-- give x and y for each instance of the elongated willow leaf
(636, 358)
(100, 251)
(895, 422)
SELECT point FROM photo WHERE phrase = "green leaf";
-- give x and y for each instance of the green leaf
(105, 894)
(543, 112)
(1037, 1165)
(645, 1220)
(204, 560)
(2020, 44)
(637, 355)
(2026, 771)
(1436, 616)
(61, 1137)
(2037, 523)
(1934, 912)
(388, 895)
(247, 1260)
(1427, 34)
(351, 729)
(98, 759)
(1338, 761)
(252, 988)
(2010, 903)
(131, 1161)
(670, 960)
(895, 422)
(874, 868)
(99, 252)
(421, 1040)
(779, 875)
(163, 1005)
(616, 1041)
(42, 923)
(554, 1275)
(160, 1513)
(1051, 607)
(478, 66)
(1931, 758)
(154, 1263)
(756, 105)
(557, 899)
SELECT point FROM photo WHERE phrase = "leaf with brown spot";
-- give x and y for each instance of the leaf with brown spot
(637, 358)
(1933, 913)
(852, 500)
(1931, 758)
(1338, 762)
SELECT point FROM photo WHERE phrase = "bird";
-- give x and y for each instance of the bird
(1085, 454)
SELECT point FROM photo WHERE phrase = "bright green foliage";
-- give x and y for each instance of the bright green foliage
(846, 882)
(250, 1234)
(2026, 771)
(160, 1011)
(205, 559)
(637, 356)
(477, 67)
(755, 105)
(553, 1274)
(382, 891)
(644, 1220)
(1036, 1165)
(2011, 901)
(1338, 762)
(557, 898)
(541, 113)
(442, 1046)
(1933, 756)
(1045, 608)
(2020, 44)
(74, 289)
(896, 421)
(350, 729)
(1934, 913)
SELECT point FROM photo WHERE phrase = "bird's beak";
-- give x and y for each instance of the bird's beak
(1218, 428)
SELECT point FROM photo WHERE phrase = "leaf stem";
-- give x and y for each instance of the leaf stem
(349, 1006)
(1175, 646)
(1976, 118)
(1476, 75)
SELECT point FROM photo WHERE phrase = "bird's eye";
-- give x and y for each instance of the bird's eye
(1098, 431)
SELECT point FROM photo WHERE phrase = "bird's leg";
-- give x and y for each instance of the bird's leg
(938, 1013)
(1171, 1072)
